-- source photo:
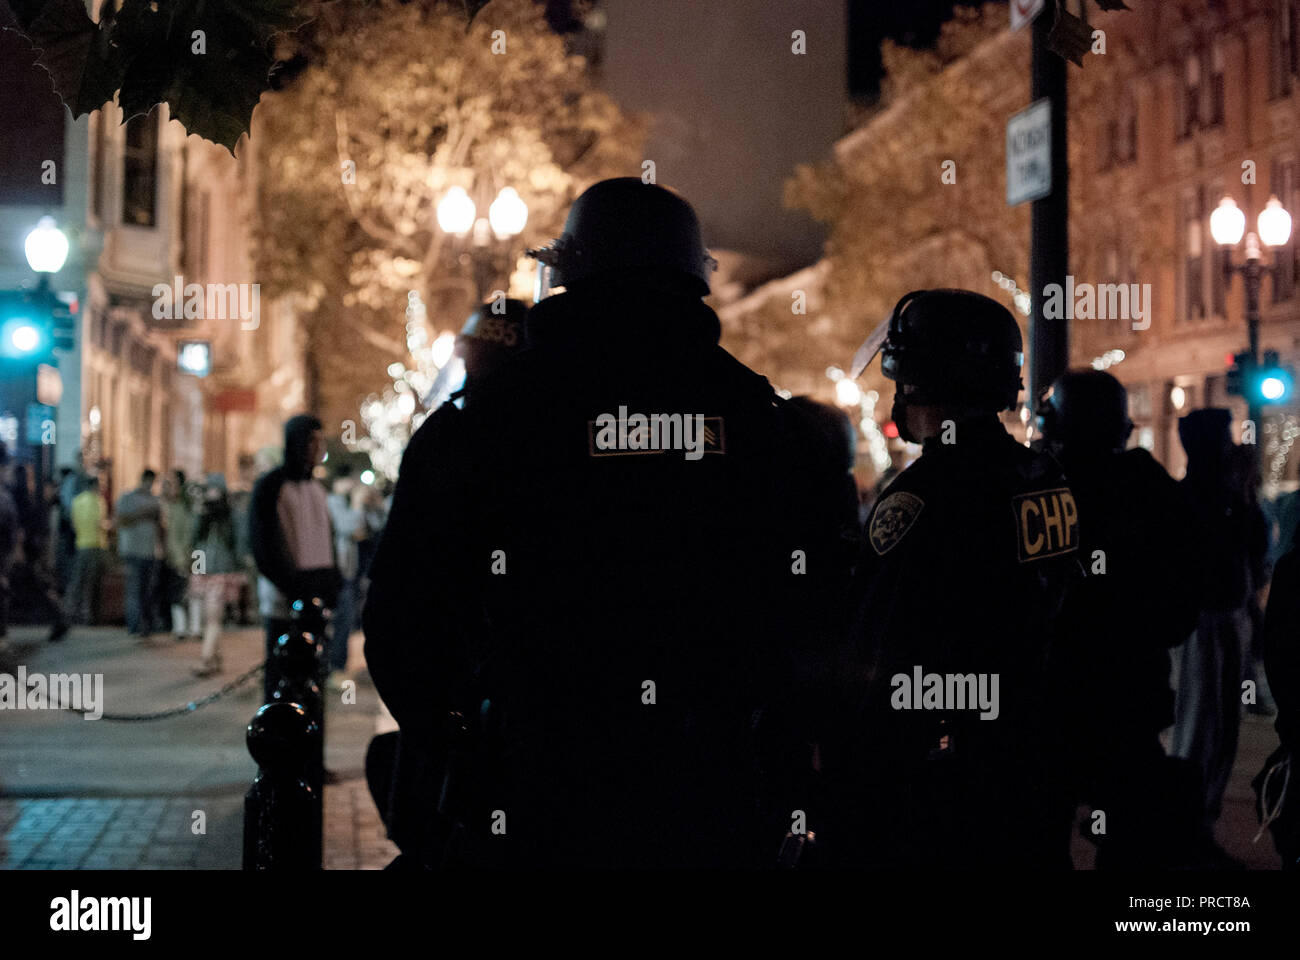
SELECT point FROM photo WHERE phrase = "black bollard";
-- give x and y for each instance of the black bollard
(282, 813)
(297, 658)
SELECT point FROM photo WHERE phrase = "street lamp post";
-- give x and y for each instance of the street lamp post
(1227, 224)
(484, 237)
(29, 322)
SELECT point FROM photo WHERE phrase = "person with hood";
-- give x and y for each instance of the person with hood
(290, 535)
(613, 599)
(1234, 541)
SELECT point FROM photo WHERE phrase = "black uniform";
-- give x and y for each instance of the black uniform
(966, 561)
(1140, 598)
(570, 582)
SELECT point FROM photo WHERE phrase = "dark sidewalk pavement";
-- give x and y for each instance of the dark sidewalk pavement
(160, 794)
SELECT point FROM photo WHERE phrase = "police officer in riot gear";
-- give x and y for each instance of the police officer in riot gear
(634, 534)
(942, 759)
(1139, 599)
(406, 769)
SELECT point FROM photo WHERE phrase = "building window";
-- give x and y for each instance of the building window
(1191, 113)
(1283, 59)
(1109, 135)
(140, 171)
(1193, 221)
(1216, 85)
(1216, 259)
(1119, 139)
(1288, 257)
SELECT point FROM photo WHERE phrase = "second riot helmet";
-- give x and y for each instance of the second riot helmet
(954, 346)
(1086, 410)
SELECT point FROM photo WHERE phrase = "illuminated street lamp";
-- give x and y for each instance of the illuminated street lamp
(1227, 224)
(456, 212)
(46, 248)
(508, 214)
(458, 216)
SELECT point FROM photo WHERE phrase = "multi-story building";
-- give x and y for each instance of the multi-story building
(1193, 100)
(184, 365)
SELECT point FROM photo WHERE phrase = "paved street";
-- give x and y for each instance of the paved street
(163, 794)
(77, 794)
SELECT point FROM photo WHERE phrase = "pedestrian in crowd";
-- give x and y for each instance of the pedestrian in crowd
(943, 757)
(630, 620)
(216, 579)
(1281, 648)
(1244, 474)
(241, 499)
(32, 563)
(10, 539)
(1139, 600)
(347, 515)
(289, 531)
(65, 539)
(1209, 700)
(178, 541)
(139, 545)
(375, 502)
(89, 519)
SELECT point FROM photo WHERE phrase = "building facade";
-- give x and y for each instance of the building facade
(1191, 101)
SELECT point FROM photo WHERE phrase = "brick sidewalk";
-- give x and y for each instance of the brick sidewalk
(157, 833)
(115, 796)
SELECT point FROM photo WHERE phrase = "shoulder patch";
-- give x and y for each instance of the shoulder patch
(1047, 523)
(891, 519)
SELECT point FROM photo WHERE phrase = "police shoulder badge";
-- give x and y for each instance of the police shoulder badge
(892, 518)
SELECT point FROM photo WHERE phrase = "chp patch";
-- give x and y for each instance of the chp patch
(892, 518)
(1047, 523)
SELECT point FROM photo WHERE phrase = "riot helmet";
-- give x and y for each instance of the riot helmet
(1085, 410)
(625, 226)
(491, 335)
(954, 346)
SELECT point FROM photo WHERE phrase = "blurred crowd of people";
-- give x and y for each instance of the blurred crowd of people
(183, 546)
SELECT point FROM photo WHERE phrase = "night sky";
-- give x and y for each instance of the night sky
(914, 23)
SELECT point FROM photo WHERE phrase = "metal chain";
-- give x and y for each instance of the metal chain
(190, 707)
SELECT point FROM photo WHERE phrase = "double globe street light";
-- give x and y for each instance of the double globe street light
(1269, 382)
(506, 217)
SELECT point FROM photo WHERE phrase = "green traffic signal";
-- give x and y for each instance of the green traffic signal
(1268, 383)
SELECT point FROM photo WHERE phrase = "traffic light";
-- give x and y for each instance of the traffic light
(1271, 382)
(63, 333)
(33, 324)
(24, 332)
(1238, 374)
(1274, 382)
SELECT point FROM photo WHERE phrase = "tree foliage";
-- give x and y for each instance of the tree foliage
(400, 103)
(895, 225)
(208, 60)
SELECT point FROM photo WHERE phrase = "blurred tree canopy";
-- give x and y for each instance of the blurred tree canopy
(398, 103)
(895, 226)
